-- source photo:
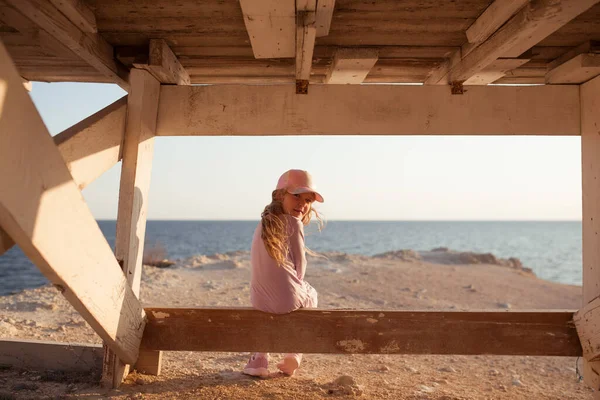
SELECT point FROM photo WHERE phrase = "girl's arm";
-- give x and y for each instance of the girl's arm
(297, 249)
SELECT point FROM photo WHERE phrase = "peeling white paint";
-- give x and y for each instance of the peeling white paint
(372, 320)
(160, 314)
(351, 345)
(209, 320)
(391, 347)
(381, 315)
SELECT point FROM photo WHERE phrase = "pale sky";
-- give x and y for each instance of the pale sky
(361, 177)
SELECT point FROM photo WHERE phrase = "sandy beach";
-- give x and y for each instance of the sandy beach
(441, 279)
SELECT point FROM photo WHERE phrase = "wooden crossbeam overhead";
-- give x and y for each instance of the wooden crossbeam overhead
(364, 332)
(271, 26)
(90, 47)
(324, 16)
(493, 18)
(78, 13)
(51, 356)
(535, 21)
(164, 65)
(351, 66)
(88, 148)
(306, 31)
(579, 69)
(495, 71)
(589, 46)
(42, 209)
(368, 110)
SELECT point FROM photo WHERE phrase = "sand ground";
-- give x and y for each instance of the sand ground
(399, 280)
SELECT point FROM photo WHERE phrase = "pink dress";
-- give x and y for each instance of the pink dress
(281, 289)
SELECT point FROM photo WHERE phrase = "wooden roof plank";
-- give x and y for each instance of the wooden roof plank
(493, 18)
(271, 26)
(78, 13)
(577, 70)
(324, 16)
(534, 22)
(351, 66)
(89, 47)
(554, 15)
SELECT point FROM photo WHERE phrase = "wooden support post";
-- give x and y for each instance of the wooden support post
(590, 173)
(42, 209)
(138, 147)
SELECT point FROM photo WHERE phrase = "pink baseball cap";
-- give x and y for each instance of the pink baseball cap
(297, 181)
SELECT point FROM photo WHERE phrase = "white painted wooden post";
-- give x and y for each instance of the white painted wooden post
(590, 164)
(138, 147)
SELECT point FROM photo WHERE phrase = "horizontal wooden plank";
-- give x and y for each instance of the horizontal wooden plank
(368, 110)
(532, 333)
(51, 356)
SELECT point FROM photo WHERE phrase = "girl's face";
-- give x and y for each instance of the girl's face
(297, 205)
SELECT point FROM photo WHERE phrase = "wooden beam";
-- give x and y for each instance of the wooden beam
(90, 47)
(51, 356)
(587, 323)
(367, 110)
(324, 16)
(366, 332)
(589, 46)
(590, 174)
(88, 148)
(42, 209)
(78, 13)
(271, 26)
(495, 71)
(440, 75)
(164, 65)
(138, 150)
(529, 26)
(27, 84)
(579, 69)
(306, 31)
(493, 18)
(351, 66)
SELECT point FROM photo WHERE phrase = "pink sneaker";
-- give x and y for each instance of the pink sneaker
(258, 365)
(290, 363)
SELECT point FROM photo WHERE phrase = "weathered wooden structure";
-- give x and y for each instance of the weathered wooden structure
(283, 67)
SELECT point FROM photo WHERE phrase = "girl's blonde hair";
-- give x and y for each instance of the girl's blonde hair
(274, 232)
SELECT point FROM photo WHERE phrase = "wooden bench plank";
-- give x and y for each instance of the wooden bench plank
(370, 332)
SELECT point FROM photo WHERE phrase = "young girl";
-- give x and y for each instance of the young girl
(279, 262)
